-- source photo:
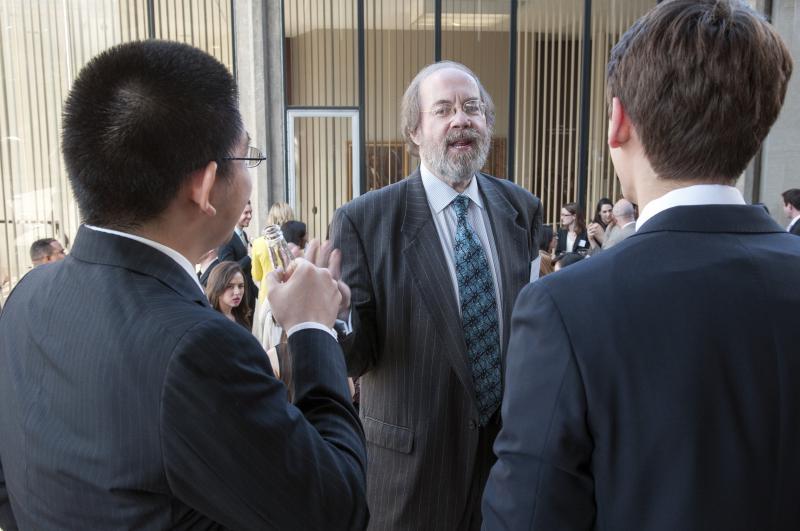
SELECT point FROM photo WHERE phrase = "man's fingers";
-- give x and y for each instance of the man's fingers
(335, 264)
(312, 250)
(324, 254)
(274, 278)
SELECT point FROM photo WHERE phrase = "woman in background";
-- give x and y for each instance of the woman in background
(227, 295)
(572, 236)
(602, 214)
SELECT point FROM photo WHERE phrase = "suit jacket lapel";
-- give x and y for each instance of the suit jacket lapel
(109, 249)
(512, 244)
(426, 261)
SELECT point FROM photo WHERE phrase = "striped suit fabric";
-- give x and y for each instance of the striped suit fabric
(427, 457)
(126, 402)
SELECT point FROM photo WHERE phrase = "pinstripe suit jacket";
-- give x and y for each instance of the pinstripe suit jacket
(418, 402)
(126, 402)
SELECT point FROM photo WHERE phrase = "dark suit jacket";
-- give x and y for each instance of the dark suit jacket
(418, 402)
(795, 228)
(562, 242)
(126, 402)
(236, 251)
(669, 397)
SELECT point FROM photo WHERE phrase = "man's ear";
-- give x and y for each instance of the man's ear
(201, 183)
(619, 126)
(414, 135)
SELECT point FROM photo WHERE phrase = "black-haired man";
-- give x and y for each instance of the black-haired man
(125, 400)
(675, 406)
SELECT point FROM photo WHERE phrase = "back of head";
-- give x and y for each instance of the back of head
(139, 119)
(279, 213)
(623, 210)
(567, 259)
(41, 249)
(792, 197)
(545, 237)
(294, 232)
(702, 81)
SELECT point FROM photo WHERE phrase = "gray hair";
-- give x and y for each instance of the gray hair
(410, 110)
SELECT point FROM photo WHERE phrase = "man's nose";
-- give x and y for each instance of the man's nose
(460, 119)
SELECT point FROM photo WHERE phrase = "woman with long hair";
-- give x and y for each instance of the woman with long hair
(602, 214)
(227, 294)
(572, 235)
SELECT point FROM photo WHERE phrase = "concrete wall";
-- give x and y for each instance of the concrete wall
(781, 153)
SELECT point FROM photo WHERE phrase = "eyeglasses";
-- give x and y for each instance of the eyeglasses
(448, 110)
(253, 158)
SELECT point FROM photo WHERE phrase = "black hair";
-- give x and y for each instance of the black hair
(294, 232)
(42, 249)
(545, 236)
(140, 118)
(567, 259)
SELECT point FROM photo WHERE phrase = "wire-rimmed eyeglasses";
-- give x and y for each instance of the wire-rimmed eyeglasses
(253, 157)
(448, 110)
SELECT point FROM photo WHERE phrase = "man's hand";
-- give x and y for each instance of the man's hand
(308, 293)
(326, 256)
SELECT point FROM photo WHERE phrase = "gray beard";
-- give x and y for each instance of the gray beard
(461, 167)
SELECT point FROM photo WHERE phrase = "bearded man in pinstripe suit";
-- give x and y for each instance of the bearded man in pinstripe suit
(434, 263)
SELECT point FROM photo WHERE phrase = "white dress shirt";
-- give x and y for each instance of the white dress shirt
(440, 198)
(698, 194)
(792, 223)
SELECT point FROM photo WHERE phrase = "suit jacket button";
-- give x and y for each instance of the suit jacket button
(473, 424)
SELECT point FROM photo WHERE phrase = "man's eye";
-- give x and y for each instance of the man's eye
(441, 112)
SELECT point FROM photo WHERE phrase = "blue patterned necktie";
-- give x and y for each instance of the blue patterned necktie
(478, 312)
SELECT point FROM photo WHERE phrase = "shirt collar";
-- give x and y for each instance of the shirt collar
(698, 194)
(791, 223)
(440, 194)
(181, 260)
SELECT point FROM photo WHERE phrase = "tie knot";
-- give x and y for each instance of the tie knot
(461, 205)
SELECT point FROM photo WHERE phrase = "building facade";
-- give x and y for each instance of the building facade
(320, 88)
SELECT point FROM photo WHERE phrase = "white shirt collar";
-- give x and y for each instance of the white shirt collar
(440, 194)
(181, 260)
(698, 194)
(791, 223)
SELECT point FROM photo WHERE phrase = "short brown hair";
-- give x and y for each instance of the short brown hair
(702, 81)
(410, 107)
(792, 197)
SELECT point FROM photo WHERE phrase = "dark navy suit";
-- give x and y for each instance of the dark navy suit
(126, 402)
(656, 386)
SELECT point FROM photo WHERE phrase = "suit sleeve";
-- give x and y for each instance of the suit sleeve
(541, 480)
(7, 521)
(228, 253)
(360, 346)
(238, 452)
(536, 228)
